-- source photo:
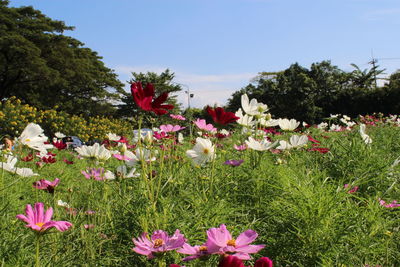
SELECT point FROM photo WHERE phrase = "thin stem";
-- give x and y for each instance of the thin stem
(37, 250)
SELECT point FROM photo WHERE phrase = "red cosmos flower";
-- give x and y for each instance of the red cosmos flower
(27, 158)
(144, 98)
(220, 116)
(59, 145)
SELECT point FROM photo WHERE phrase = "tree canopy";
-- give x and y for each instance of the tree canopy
(313, 94)
(47, 69)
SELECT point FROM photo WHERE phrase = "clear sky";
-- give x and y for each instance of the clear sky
(216, 46)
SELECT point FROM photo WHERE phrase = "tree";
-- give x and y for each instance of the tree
(312, 94)
(45, 68)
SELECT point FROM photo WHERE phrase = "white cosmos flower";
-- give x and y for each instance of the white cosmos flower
(59, 135)
(252, 107)
(364, 136)
(141, 154)
(33, 137)
(202, 152)
(322, 125)
(122, 171)
(268, 123)
(259, 146)
(108, 175)
(9, 166)
(288, 125)
(244, 120)
(62, 204)
(180, 138)
(335, 128)
(295, 141)
(94, 151)
(113, 137)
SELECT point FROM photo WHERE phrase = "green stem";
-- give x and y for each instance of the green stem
(37, 250)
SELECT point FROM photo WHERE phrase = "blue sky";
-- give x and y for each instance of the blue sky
(216, 46)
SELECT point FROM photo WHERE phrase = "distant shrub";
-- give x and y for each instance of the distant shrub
(14, 116)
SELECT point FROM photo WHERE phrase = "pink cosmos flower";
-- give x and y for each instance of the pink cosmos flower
(159, 243)
(352, 190)
(46, 185)
(233, 162)
(121, 157)
(93, 173)
(240, 147)
(171, 128)
(177, 117)
(202, 125)
(239, 247)
(88, 226)
(202, 251)
(394, 204)
(40, 221)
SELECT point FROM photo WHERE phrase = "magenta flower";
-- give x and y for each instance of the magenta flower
(240, 147)
(202, 125)
(394, 204)
(93, 173)
(202, 251)
(121, 157)
(171, 128)
(46, 185)
(177, 117)
(239, 247)
(233, 162)
(159, 243)
(40, 221)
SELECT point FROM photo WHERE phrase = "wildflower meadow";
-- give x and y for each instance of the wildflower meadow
(242, 189)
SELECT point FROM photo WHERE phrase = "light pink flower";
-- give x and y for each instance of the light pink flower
(40, 221)
(159, 243)
(394, 204)
(121, 157)
(171, 128)
(177, 117)
(202, 125)
(46, 185)
(93, 173)
(240, 247)
(240, 147)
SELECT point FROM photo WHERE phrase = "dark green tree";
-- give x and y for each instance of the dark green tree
(312, 94)
(45, 68)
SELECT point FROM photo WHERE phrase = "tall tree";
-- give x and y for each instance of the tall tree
(45, 68)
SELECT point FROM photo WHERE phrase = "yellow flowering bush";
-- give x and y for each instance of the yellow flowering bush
(14, 116)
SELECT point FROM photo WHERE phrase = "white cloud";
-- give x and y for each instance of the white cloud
(208, 89)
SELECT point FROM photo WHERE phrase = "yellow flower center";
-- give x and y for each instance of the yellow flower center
(40, 224)
(203, 248)
(158, 243)
(206, 151)
(27, 140)
(231, 242)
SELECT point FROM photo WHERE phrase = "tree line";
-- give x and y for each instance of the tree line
(313, 94)
(47, 69)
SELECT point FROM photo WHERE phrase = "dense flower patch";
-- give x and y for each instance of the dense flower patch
(282, 192)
